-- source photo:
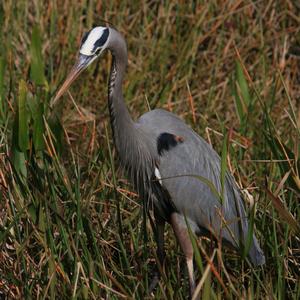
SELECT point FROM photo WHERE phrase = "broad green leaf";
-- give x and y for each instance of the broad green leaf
(18, 157)
(241, 93)
(241, 80)
(37, 65)
(57, 131)
(38, 127)
(85, 292)
(32, 212)
(249, 239)
(207, 287)
(23, 128)
(19, 162)
(38, 130)
(237, 102)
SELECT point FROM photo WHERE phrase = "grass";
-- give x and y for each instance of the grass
(71, 225)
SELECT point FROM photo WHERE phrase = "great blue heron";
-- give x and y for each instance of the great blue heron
(160, 152)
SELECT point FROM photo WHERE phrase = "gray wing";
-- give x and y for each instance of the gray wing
(192, 196)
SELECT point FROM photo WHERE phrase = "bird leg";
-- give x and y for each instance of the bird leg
(181, 232)
(160, 252)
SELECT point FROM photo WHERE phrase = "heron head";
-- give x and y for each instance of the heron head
(93, 44)
(94, 41)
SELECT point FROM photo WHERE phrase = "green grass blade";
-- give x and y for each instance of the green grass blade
(37, 64)
(241, 93)
(19, 162)
(38, 128)
(249, 238)
(237, 102)
(242, 83)
(17, 156)
(23, 127)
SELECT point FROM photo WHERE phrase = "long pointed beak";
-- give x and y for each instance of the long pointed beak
(82, 63)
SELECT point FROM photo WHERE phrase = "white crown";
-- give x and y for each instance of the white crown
(88, 46)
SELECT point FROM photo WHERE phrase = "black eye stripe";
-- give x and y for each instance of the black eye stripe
(97, 50)
(100, 42)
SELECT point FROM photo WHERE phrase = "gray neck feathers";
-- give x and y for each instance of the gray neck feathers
(121, 121)
(133, 145)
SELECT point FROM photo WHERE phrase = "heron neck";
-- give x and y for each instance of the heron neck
(135, 150)
(121, 121)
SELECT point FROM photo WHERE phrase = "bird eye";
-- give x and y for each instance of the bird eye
(97, 51)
